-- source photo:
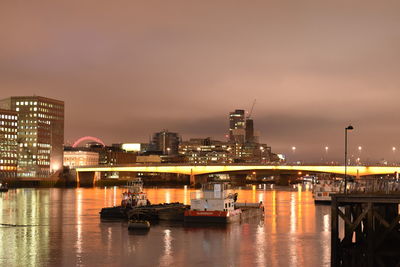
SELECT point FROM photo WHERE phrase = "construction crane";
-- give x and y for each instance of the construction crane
(251, 110)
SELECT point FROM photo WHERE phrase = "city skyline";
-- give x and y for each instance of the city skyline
(127, 72)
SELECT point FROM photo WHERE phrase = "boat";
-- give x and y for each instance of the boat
(3, 187)
(133, 197)
(216, 203)
(136, 206)
(164, 212)
(173, 213)
(138, 225)
(324, 189)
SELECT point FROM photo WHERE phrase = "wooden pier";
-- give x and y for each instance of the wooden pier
(365, 230)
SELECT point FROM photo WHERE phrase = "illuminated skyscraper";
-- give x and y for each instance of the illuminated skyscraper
(40, 134)
(8, 143)
(237, 125)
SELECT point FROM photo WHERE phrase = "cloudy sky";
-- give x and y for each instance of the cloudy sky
(126, 69)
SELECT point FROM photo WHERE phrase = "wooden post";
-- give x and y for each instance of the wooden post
(370, 235)
(334, 233)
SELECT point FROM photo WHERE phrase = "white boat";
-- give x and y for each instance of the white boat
(216, 204)
(323, 190)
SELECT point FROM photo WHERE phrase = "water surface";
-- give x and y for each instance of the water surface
(61, 227)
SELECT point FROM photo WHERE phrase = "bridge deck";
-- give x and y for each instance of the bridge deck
(208, 169)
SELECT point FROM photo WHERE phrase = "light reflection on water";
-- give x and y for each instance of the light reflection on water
(62, 227)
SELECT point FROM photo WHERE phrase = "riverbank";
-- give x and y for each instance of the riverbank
(48, 183)
(63, 183)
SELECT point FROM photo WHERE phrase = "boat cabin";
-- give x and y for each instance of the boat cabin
(134, 196)
(213, 197)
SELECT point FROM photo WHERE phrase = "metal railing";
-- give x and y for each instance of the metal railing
(383, 186)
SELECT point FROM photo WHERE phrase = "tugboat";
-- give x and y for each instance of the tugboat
(216, 203)
(132, 198)
(137, 207)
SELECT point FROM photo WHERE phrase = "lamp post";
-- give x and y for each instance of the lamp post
(326, 154)
(348, 128)
(394, 155)
(293, 152)
(359, 154)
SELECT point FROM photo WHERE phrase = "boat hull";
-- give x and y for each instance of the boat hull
(166, 211)
(114, 213)
(138, 225)
(192, 216)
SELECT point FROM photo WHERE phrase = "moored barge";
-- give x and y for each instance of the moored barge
(216, 203)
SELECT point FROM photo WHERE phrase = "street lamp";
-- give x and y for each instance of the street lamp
(348, 128)
(293, 150)
(394, 155)
(326, 154)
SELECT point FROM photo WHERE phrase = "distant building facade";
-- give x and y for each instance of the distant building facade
(206, 151)
(8, 143)
(107, 155)
(74, 159)
(40, 134)
(166, 141)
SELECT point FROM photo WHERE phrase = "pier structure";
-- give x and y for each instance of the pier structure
(365, 229)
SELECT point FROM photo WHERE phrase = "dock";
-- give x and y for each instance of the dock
(365, 230)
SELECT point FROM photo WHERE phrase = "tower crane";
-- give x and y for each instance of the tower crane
(251, 110)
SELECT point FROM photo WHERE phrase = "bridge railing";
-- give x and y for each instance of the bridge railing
(383, 186)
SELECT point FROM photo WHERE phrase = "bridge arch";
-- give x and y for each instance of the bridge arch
(87, 138)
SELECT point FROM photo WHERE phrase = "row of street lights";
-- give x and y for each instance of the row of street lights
(359, 148)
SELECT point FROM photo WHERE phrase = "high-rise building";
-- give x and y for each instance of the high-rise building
(8, 143)
(166, 142)
(237, 126)
(40, 134)
(250, 131)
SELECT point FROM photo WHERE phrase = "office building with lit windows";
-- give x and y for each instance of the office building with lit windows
(74, 159)
(206, 151)
(8, 143)
(237, 126)
(40, 134)
(166, 141)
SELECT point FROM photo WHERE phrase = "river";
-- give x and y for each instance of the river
(61, 227)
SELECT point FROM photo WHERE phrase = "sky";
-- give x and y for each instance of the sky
(127, 69)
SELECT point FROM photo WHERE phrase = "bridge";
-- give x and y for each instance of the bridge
(88, 172)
